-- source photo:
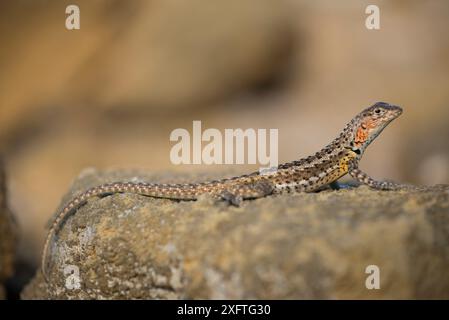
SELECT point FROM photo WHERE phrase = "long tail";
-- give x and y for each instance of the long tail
(245, 187)
(170, 191)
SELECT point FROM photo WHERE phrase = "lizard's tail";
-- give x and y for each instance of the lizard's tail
(239, 187)
(169, 191)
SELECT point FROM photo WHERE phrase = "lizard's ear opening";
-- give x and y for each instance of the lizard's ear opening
(355, 149)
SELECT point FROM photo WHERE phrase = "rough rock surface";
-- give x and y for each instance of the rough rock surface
(291, 246)
(7, 236)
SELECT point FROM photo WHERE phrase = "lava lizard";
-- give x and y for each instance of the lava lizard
(309, 174)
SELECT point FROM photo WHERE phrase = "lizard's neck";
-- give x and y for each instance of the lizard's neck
(346, 139)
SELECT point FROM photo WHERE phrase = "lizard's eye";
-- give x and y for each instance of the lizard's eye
(377, 110)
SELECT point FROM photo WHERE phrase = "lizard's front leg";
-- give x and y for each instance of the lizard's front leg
(364, 178)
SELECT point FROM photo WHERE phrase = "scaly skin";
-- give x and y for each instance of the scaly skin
(309, 174)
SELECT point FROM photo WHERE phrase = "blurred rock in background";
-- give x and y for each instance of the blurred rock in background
(8, 237)
(109, 94)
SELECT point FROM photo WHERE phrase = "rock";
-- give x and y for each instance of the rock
(296, 246)
(7, 237)
(159, 55)
(185, 54)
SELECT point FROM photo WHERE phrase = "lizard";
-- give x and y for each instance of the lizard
(308, 174)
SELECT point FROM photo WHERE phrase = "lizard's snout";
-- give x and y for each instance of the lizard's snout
(396, 109)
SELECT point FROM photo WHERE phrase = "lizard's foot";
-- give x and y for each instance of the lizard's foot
(391, 186)
(231, 198)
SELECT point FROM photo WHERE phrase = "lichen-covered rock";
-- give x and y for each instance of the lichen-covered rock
(7, 236)
(296, 246)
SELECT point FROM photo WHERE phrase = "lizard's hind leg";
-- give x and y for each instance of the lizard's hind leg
(258, 189)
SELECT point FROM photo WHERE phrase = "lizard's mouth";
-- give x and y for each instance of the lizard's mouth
(396, 111)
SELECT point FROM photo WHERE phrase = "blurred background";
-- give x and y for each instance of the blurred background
(109, 94)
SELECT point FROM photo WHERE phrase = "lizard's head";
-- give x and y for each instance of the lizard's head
(368, 124)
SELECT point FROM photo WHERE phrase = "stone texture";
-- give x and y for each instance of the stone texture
(296, 246)
(7, 236)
